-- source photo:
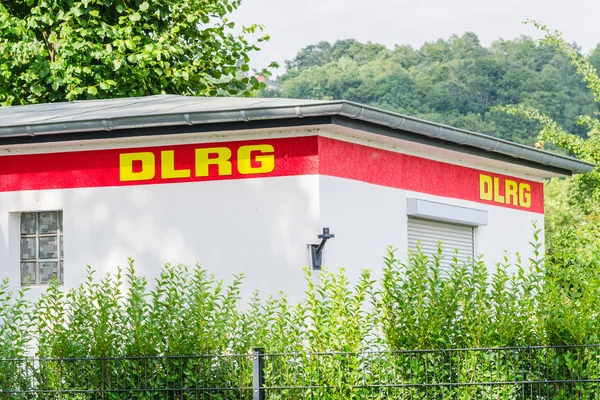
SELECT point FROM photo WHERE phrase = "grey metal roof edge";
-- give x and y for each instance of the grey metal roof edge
(326, 108)
(464, 137)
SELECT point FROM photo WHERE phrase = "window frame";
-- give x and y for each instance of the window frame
(59, 260)
(447, 217)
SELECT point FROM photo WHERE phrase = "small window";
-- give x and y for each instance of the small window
(426, 234)
(41, 247)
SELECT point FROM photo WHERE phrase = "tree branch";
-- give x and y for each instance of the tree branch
(52, 47)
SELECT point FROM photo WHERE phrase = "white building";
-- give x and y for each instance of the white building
(245, 185)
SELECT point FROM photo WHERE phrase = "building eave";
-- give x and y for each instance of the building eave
(269, 110)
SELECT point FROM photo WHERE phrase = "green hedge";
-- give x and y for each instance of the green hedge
(415, 305)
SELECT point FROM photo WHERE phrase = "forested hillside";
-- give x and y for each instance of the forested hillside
(453, 81)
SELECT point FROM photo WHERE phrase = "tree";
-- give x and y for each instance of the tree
(56, 50)
(575, 210)
(595, 57)
(323, 53)
(317, 54)
(453, 81)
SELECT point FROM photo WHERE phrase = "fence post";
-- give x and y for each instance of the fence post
(258, 374)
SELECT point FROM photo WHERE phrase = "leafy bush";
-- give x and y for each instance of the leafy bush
(191, 330)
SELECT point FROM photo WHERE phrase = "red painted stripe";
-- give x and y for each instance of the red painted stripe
(100, 168)
(387, 168)
(292, 156)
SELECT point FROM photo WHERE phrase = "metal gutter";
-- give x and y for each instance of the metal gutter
(314, 109)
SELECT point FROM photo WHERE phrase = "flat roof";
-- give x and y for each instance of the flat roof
(61, 121)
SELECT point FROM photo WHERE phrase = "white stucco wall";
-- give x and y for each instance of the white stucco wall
(259, 227)
(367, 218)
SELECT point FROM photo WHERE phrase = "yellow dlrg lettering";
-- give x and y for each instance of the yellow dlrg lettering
(265, 159)
(485, 187)
(126, 166)
(511, 193)
(167, 166)
(516, 194)
(143, 166)
(219, 156)
(525, 195)
(498, 198)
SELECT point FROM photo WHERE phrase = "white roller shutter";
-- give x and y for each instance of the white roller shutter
(427, 234)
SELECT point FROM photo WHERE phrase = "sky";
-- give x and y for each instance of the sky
(296, 24)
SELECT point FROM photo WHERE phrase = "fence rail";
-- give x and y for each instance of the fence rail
(560, 372)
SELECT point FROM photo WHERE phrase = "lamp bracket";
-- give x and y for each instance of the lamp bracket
(316, 250)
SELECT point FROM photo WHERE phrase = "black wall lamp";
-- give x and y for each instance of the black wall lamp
(316, 250)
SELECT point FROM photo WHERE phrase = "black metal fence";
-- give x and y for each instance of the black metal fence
(560, 372)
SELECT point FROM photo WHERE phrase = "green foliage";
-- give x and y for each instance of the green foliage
(56, 50)
(116, 333)
(454, 81)
(425, 307)
(572, 230)
(573, 211)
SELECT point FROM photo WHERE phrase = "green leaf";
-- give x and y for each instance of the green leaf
(76, 11)
(81, 49)
(92, 90)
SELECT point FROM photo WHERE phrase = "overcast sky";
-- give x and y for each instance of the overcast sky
(298, 23)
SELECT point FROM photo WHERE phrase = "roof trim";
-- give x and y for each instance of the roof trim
(452, 146)
(346, 109)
